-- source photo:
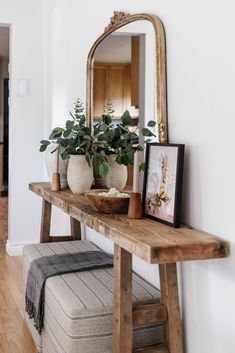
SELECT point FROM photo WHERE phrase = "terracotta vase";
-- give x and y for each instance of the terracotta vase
(117, 174)
(80, 174)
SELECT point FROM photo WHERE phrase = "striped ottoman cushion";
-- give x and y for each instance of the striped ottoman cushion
(78, 306)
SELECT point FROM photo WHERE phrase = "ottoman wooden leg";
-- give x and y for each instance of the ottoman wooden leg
(170, 298)
(122, 301)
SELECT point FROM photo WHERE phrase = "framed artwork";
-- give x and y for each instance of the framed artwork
(163, 182)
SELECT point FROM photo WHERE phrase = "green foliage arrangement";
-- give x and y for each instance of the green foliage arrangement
(107, 138)
(75, 138)
(118, 139)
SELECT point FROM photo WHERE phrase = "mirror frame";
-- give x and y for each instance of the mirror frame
(119, 20)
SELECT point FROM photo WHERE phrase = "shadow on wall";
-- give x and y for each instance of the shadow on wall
(191, 194)
(203, 287)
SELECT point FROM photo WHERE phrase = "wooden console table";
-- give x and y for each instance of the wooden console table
(151, 241)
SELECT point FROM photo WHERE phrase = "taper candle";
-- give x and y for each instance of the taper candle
(136, 172)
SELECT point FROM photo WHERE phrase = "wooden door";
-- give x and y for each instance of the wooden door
(118, 82)
(112, 82)
(99, 90)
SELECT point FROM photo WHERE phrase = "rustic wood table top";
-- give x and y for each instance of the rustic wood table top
(150, 240)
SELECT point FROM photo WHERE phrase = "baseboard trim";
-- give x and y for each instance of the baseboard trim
(16, 249)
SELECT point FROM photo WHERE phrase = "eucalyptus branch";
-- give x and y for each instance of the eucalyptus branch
(75, 138)
(119, 139)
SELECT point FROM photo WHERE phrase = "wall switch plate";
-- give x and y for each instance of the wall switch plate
(22, 87)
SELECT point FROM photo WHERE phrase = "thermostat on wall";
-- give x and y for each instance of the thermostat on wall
(22, 87)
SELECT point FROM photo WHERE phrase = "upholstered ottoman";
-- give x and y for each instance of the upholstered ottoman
(78, 306)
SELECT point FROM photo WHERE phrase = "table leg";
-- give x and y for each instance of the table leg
(75, 229)
(45, 222)
(122, 301)
(170, 298)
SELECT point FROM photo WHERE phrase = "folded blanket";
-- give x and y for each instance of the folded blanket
(48, 266)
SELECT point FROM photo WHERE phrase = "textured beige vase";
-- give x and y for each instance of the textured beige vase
(117, 174)
(80, 174)
(51, 161)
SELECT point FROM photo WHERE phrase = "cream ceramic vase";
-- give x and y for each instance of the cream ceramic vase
(117, 174)
(80, 174)
(51, 162)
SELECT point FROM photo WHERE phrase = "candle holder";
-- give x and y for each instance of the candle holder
(55, 184)
(135, 206)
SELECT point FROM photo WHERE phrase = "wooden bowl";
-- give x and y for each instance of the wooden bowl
(107, 204)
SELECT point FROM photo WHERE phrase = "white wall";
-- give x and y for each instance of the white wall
(26, 117)
(201, 81)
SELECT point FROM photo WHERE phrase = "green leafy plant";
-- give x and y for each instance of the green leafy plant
(107, 138)
(75, 138)
(100, 160)
(118, 139)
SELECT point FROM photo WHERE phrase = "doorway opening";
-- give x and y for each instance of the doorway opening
(4, 130)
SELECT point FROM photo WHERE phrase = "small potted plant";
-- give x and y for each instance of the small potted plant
(74, 142)
(119, 144)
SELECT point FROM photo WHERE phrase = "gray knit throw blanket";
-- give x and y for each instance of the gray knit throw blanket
(54, 265)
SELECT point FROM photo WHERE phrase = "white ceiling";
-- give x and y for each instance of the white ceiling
(114, 49)
(4, 41)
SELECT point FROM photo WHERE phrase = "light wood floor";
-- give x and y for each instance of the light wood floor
(3, 220)
(14, 334)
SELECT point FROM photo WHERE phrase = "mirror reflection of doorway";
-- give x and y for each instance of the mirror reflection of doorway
(116, 76)
(117, 79)
(4, 129)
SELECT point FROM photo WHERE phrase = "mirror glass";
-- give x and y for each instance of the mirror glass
(124, 67)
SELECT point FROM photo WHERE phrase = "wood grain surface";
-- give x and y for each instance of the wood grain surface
(149, 314)
(152, 349)
(170, 299)
(45, 222)
(3, 220)
(75, 227)
(1, 167)
(151, 241)
(14, 334)
(122, 301)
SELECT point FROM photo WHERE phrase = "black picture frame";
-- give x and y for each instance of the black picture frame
(151, 206)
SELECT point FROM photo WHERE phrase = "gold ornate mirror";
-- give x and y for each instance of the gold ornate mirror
(127, 66)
